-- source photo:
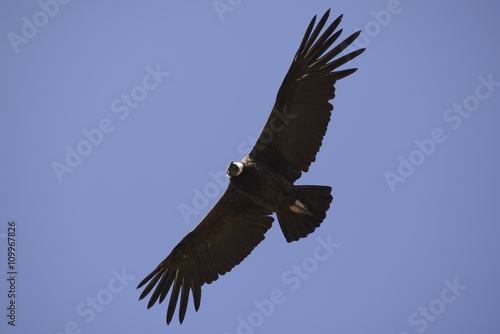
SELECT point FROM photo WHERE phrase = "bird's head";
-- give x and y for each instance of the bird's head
(234, 169)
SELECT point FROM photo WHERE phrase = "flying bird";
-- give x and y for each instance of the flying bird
(263, 182)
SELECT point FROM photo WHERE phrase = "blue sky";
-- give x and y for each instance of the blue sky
(159, 96)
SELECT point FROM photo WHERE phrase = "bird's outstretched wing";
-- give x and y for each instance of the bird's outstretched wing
(294, 131)
(227, 234)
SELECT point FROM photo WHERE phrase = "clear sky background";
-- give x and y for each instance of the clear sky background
(411, 153)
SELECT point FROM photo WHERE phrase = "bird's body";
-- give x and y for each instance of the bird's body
(263, 182)
(263, 186)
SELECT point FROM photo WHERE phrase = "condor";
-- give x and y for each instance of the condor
(263, 182)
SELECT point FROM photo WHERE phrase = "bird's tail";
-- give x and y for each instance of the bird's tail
(307, 214)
